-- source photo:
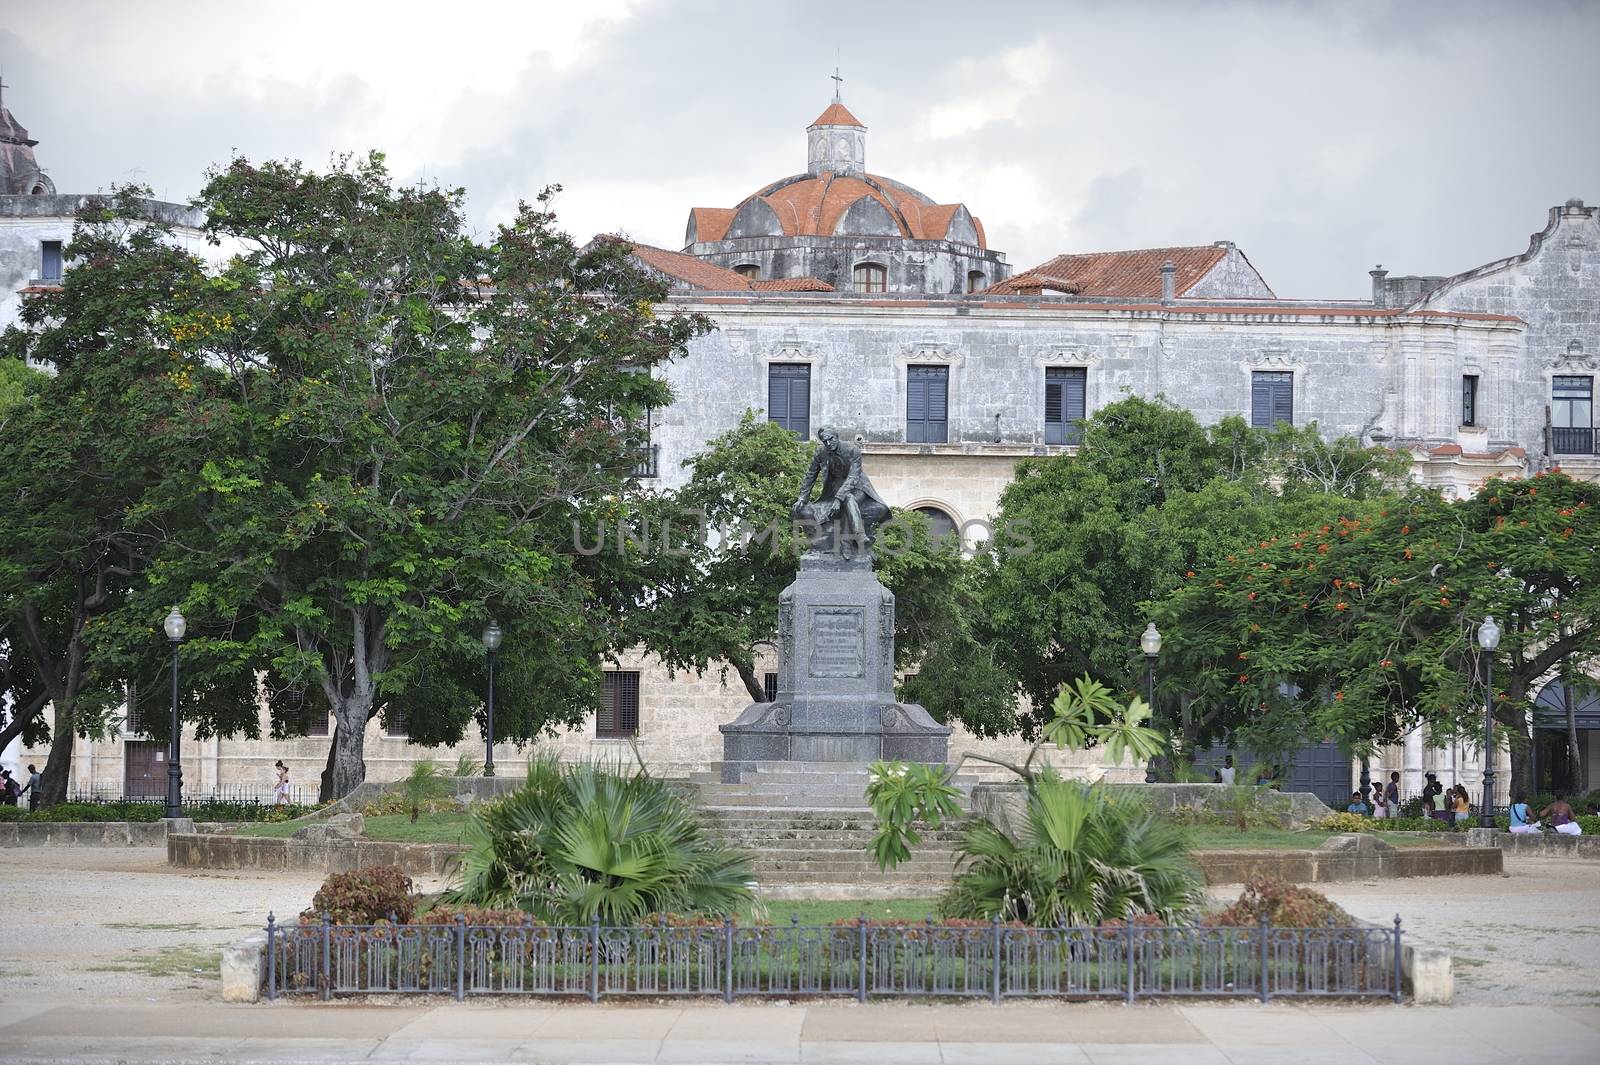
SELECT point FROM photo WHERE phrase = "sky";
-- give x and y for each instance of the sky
(1323, 137)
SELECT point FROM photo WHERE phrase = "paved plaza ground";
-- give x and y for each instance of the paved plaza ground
(111, 955)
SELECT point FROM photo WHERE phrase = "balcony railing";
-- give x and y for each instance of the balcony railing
(647, 461)
(1572, 441)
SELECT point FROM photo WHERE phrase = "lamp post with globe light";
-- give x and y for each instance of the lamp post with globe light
(1150, 642)
(1488, 640)
(175, 627)
(492, 635)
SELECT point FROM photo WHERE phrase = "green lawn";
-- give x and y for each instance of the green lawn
(827, 911)
(388, 828)
(1220, 839)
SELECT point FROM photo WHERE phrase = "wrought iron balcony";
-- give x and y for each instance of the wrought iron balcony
(1572, 441)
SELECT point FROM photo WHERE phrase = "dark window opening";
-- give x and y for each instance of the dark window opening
(1064, 388)
(1469, 399)
(749, 271)
(976, 282)
(769, 686)
(941, 526)
(619, 705)
(1572, 415)
(927, 404)
(871, 277)
(50, 260)
(789, 396)
(394, 723)
(1271, 398)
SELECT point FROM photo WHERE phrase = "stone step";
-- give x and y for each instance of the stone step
(831, 841)
(934, 884)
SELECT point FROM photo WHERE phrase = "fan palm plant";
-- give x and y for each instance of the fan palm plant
(582, 842)
(1082, 856)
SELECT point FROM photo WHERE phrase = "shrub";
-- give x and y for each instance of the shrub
(580, 842)
(1283, 904)
(1413, 808)
(364, 896)
(1348, 822)
(152, 810)
(1415, 824)
(446, 915)
(1083, 856)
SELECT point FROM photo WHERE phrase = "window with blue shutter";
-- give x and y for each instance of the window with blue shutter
(789, 396)
(927, 404)
(50, 260)
(1063, 403)
(1271, 398)
(1572, 415)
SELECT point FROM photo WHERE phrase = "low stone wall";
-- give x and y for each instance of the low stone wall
(1531, 844)
(198, 851)
(83, 833)
(1002, 803)
(1343, 858)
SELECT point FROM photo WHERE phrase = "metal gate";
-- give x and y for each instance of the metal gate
(144, 769)
(1323, 769)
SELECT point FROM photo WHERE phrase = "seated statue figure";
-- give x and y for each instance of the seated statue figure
(849, 510)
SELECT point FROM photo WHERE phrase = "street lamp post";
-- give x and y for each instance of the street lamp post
(1151, 644)
(491, 643)
(1488, 640)
(175, 626)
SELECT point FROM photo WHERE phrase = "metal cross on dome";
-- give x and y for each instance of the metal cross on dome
(838, 83)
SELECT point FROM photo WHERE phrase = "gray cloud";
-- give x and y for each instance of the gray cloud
(1322, 138)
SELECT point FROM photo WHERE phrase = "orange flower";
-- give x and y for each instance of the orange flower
(1338, 697)
(1251, 597)
(1255, 627)
(1244, 654)
(1341, 606)
(1323, 550)
(1408, 552)
(1244, 678)
(1443, 601)
(1386, 663)
(1405, 530)
(1188, 574)
(1338, 583)
(1566, 512)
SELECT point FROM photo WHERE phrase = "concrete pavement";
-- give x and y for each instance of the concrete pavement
(827, 1034)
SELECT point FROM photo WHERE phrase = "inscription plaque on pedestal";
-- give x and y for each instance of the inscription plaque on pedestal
(838, 642)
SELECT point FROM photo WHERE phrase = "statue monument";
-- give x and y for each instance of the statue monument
(835, 698)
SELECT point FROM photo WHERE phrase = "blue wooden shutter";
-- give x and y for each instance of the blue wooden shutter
(789, 396)
(1063, 403)
(1271, 398)
(927, 404)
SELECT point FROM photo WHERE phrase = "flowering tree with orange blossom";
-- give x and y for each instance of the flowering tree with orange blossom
(1363, 626)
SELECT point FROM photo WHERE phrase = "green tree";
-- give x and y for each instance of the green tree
(77, 465)
(1088, 540)
(1364, 626)
(406, 430)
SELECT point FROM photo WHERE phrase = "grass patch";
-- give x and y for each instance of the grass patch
(388, 828)
(827, 911)
(1229, 839)
(169, 961)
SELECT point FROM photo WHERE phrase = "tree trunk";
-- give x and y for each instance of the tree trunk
(1515, 722)
(58, 767)
(347, 766)
(752, 683)
(1575, 779)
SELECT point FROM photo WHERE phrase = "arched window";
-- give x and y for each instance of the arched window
(750, 271)
(871, 277)
(941, 526)
(976, 281)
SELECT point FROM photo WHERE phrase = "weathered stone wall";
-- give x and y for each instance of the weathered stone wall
(930, 267)
(82, 833)
(1325, 866)
(294, 855)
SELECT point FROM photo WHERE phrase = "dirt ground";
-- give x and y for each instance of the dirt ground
(122, 925)
(1530, 935)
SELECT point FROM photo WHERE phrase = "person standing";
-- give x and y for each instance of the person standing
(1391, 795)
(280, 789)
(1380, 801)
(32, 788)
(8, 788)
(1227, 772)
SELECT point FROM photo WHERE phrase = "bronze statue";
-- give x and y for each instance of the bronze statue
(849, 510)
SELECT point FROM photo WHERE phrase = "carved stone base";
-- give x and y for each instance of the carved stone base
(835, 679)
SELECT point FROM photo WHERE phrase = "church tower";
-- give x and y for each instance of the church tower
(836, 141)
(19, 170)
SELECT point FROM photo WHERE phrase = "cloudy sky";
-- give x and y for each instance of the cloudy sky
(1322, 137)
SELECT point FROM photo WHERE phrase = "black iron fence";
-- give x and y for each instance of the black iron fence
(993, 961)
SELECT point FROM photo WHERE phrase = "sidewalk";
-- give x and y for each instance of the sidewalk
(838, 1034)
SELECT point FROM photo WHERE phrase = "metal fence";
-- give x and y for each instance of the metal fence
(244, 794)
(992, 961)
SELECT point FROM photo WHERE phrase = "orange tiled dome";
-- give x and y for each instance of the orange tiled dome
(829, 204)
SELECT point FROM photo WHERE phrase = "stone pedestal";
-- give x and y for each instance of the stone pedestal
(835, 679)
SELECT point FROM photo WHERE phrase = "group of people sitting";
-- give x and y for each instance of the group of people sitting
(1454, 805)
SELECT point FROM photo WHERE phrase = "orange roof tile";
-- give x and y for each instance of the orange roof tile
(1118, 273)
(837, 115)
(696, 273)
(792, 284)
(711, 223)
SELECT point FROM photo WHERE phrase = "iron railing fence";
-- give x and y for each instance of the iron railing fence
(242, 794)
(993, 961)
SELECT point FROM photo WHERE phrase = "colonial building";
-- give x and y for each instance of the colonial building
(843, 297)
